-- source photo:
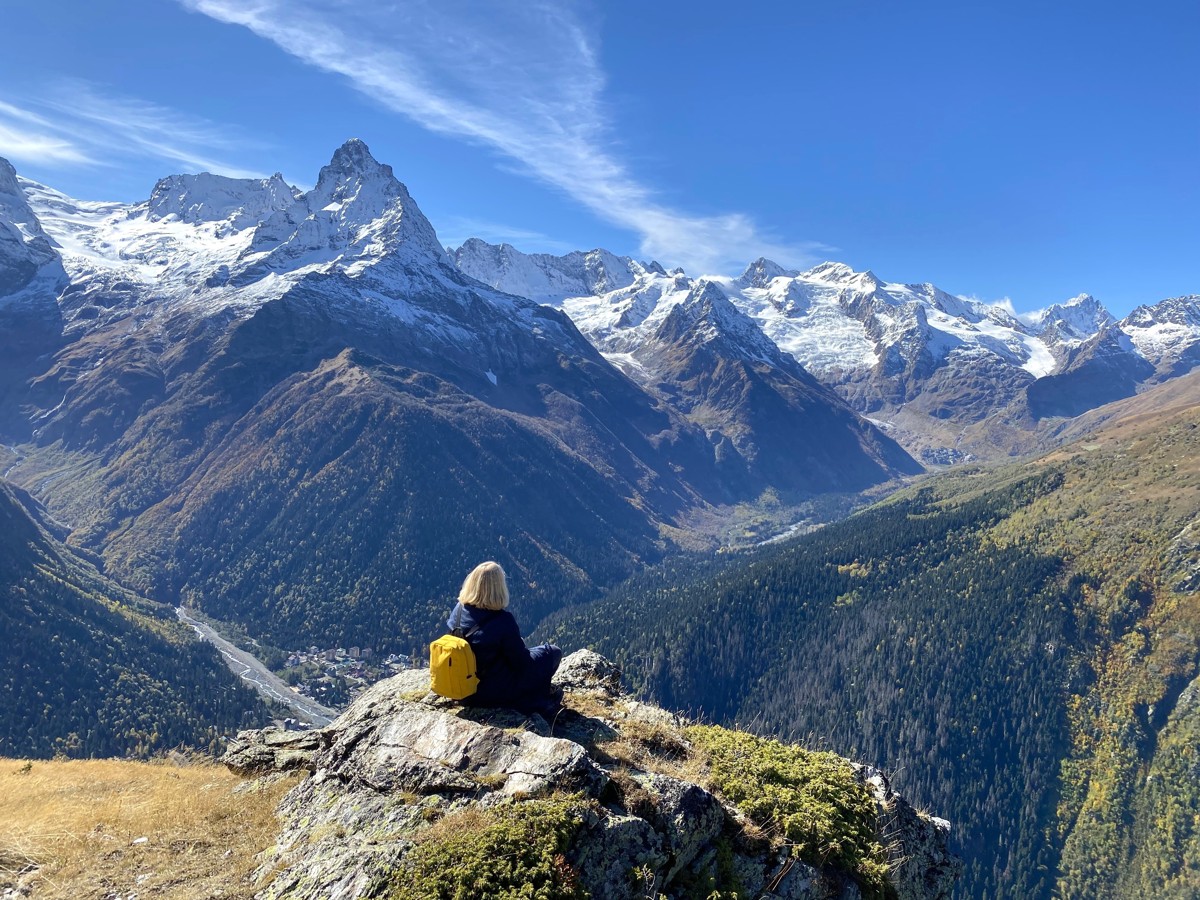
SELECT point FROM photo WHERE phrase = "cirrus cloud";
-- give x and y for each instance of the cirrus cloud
(74, 122)
(521, 77)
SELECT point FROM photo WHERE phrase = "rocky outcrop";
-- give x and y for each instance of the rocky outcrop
(272, 750)
(403, 769)
(1183, 559)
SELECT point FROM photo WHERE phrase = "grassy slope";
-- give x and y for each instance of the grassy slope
(73, 829)
(1129, 810)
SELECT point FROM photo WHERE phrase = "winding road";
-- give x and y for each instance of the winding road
(17, 460)
(262, 679)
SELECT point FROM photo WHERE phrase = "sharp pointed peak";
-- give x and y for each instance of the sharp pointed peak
(352, 161)
(354, 151)
(708, 292)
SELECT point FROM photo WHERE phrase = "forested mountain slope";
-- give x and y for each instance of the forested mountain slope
(1018, 645)
(89, 669)
(290, 409)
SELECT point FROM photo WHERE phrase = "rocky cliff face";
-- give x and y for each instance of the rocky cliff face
(411, 795)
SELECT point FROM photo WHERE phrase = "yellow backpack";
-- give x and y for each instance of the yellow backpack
(452, 666)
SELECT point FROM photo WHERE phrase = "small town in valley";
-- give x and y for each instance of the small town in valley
(334, 676)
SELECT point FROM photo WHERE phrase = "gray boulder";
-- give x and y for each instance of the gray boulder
(586, 670)
(921, 862)
(688, 817)
(612, 854)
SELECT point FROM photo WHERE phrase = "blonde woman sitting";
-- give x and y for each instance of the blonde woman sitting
(510, 674)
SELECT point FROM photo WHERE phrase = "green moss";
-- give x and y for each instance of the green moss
(812, 801)
(504, 853)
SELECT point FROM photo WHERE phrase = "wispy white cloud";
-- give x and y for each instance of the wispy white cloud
(28, 137)
(519, 76)
(1033, 316)
(26, 145)
(77, 123)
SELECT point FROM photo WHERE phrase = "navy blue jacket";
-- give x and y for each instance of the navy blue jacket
(501, 658)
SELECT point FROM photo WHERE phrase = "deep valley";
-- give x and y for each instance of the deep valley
(912, 528)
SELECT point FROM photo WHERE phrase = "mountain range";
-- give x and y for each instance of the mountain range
(299, 411)
(292, 409)
(949, 378)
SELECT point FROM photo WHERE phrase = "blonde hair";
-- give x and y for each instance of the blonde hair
(485, 587)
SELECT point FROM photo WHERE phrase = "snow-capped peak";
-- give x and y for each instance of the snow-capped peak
(967, 308)
(1077, 319)
(760, 273)
(841, 274)
(355, 155)
(546, 278)
(1182, 311)
(354, 174)
(1165, 333)
(357, 212)
(706, 315)
(242, 202)
(356, 247)
(15, 212)
(212, 242)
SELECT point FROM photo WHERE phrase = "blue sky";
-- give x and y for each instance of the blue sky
(1020, 150)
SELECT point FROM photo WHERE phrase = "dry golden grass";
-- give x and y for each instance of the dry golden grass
(639, 745)
(81, 823)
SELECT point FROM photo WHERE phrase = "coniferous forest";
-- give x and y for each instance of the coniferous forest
(1014, 646)
(88, 669)
(900, 637)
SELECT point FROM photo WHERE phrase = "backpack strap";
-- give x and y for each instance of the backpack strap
(457, 632)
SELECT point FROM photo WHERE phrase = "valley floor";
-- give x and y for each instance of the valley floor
(92, 829)
(252, 671)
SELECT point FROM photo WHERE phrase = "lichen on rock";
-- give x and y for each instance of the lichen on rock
(411, 796)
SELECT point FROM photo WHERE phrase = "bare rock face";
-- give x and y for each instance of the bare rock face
(688, 818)
(401, 759)
(271, 750)
(1183, 558)
(923, 865)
